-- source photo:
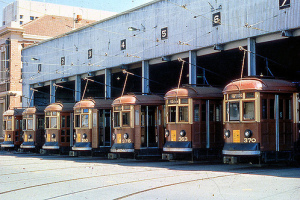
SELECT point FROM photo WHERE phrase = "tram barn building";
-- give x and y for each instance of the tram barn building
(149, 41)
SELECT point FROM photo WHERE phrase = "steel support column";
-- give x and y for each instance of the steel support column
(192, 68)
(251, 43)
(78, 88)
(31, 97)
(52, 92)
(107, 83)
(145, 77)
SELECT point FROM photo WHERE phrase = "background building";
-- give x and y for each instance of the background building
(27, 23)
(22, 11)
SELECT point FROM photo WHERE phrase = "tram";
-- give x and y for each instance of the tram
(92, 124)
(58, 126)
(193, 123)
(33, 128)
(12, 127)
(261, 119)
(138, 126)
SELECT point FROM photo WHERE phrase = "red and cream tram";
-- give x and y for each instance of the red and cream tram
(33, 128)
(58, 125)
(138, 126)
(261, 118)
(194, 122)
(12, 127)
(92, 123)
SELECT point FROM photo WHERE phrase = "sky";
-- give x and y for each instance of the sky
(108, 5)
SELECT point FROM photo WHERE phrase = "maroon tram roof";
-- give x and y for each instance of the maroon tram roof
(260, 84)
(94, 103)
(195, 92)
(13, 112)
(139, 100)
(38, 110)
(60, 107)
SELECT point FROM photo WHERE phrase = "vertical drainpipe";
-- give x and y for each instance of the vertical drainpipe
(107, 83)
(192, 68)
(251, 44)
(145, 77)
(78, 88)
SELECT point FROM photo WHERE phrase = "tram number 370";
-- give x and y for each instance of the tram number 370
(249, 140)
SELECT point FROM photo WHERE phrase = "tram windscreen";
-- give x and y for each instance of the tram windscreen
(183, 113)
(172, 114)
(116, 119)
(84, 121)
(126, 118)
(248, 111)
(29, 124)
(53, 122)
(9, 125)
(234, 111)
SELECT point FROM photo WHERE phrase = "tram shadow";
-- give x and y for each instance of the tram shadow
(276, 170)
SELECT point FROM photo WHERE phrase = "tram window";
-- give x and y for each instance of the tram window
(68, 132)
(159, 117)
(77, 110)
(9, 125)
(264, 109)
(183, 113)
(126, 118)
(53, 122)
(62, 139)
(272, 109)
(85, 110)
(4, 125)
(21, 124)
(203, 112)
(116, 119)
(77, 121)
(218, 113)
(137, 117)
(40, 123)
(24, 124)
(184, 101)
(48, 114)
(126, 107)
(29, 124)
(95, 120)
(248, 112)
(54, 113)
(288, 108)
(211, 113)
(172, 114)
(84, 121)
(47, 122)
(280, 108)
(68, 121)
(17, 124)
(63, 132)
(250, 95)
(63, 122)
(234, 111)
(196, 113)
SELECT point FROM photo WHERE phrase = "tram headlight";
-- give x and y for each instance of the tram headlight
(182, 133)
(113, 136)
(248, 133)
(84, 136)
(167, 133)
(30, 136)
(53, 135)
(126, 136)
(75, 136)
(45, 135)
(227, 133)
(9, 136)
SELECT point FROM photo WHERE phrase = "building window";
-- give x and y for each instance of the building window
(31, 17)
(21, 22)
(21, 16)
(3, 23)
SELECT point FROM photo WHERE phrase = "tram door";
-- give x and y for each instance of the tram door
(105, 127)
(65, 129)
(148, 126)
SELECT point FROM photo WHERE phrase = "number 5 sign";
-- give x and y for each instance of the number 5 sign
(164, 33)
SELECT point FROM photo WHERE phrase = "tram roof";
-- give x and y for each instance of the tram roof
(60, 107)
(94, 103)
(260, 84)
(15, 111)
(139, 100)
(39, 110)
(195, 92)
